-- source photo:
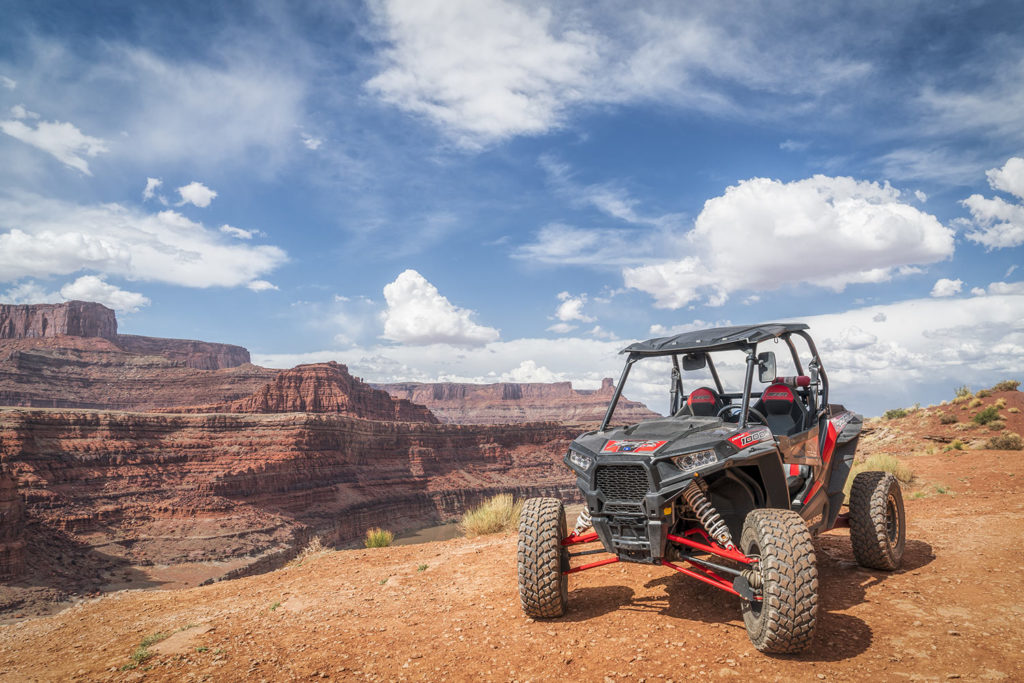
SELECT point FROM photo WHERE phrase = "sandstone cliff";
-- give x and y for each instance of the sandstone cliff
(169, 488)
(506, 402)
(323, 388)
(76, 318)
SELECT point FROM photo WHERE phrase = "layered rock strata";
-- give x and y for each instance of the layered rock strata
(76, 318)
(323, 388)
(171, 488)
(507, 402)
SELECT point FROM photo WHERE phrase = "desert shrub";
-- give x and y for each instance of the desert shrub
(1007, 441)
(963, 393)
(1000, 404)
(975, 402)
(882, 462)
(983, 417)
(984, 393)
(495, 515)
(1007, 385)
(378, 538)
(1013, 409)
(996, 426)
(954, 445)
(315, 548)
(895, 413)
(947, 419)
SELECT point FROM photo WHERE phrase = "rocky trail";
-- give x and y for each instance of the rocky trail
(449, 610)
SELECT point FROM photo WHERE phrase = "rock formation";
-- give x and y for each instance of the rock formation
(169, 488)
(507, 403)
(12, 528)
(76, 318)
(323, 388)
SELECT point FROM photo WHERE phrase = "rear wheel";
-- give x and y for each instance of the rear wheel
(783, 620)
(542, 559)
(878, 523)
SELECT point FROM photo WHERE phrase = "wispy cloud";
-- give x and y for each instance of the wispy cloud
(63, 140)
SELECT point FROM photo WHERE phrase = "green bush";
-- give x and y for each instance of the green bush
(954, 445)
(495, 515)
(378, 538)
(1007, 385)
(895, 413)
(984, 393)
(987, 415)
(1007, 441)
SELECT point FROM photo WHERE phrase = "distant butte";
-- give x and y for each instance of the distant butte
(508, 402)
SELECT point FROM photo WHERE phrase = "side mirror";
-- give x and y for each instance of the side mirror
(694, 361)
(766, 366)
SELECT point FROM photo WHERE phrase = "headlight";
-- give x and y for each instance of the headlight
(695, 460)
(581, 461)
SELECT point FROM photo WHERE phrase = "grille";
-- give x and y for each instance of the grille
(623, 482)
(617, 508)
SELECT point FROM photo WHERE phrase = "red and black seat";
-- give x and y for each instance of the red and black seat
(704, 402)
(783, 410)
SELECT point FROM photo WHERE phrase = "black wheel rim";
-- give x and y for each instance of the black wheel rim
(892, 520)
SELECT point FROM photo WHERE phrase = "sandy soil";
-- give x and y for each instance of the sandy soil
(450, 610)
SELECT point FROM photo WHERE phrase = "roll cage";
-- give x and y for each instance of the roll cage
(696, 348)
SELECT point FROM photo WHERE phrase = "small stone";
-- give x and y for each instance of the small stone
(953, 633)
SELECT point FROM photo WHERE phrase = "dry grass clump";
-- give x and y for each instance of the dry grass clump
(1007, 385)
(895, 413)
(378, 538)
(1007, 441)
(984, 393)
(1013, 409)
(975, 402)
(315, 548)
(954, 445)
(880, 462)
(947, 419)
(495, 515)
(963, 393)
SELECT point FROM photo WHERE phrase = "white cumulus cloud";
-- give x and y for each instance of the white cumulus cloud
(261, 286)
(571, 308)
(63, 140)
(92, 288)
(47, 237)
(197, 194)
(823, 231)
(30, 292)
(946, 287)
(8, 82)
(418, 314)
(151, 185)
(999, 224)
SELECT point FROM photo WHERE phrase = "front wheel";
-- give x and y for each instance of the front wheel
(783, 621)
(877, 521)
(543, 585)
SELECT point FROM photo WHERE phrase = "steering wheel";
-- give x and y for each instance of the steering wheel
(750, 411)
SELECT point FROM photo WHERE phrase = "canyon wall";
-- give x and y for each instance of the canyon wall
(170, 488)
(508, 402)
(322, 388)
(77, 318)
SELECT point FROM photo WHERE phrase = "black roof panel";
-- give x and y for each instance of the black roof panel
(714, 339)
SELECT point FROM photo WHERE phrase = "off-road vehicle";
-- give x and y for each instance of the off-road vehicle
(728, 489)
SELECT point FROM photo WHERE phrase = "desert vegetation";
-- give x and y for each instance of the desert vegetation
(378, 538)
(495, 515)
(880, 462)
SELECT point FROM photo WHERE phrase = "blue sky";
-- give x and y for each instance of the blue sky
(487, 190)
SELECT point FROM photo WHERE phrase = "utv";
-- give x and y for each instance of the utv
(728, 489)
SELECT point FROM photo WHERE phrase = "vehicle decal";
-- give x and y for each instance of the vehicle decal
(623, 446)
(778, 395)
(751, 436)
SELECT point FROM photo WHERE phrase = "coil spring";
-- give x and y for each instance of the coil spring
(583, 521)
(708, 515)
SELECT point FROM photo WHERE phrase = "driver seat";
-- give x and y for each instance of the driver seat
(704, 402)
(783, 409)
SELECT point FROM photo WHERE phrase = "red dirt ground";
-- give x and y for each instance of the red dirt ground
(450, 610)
